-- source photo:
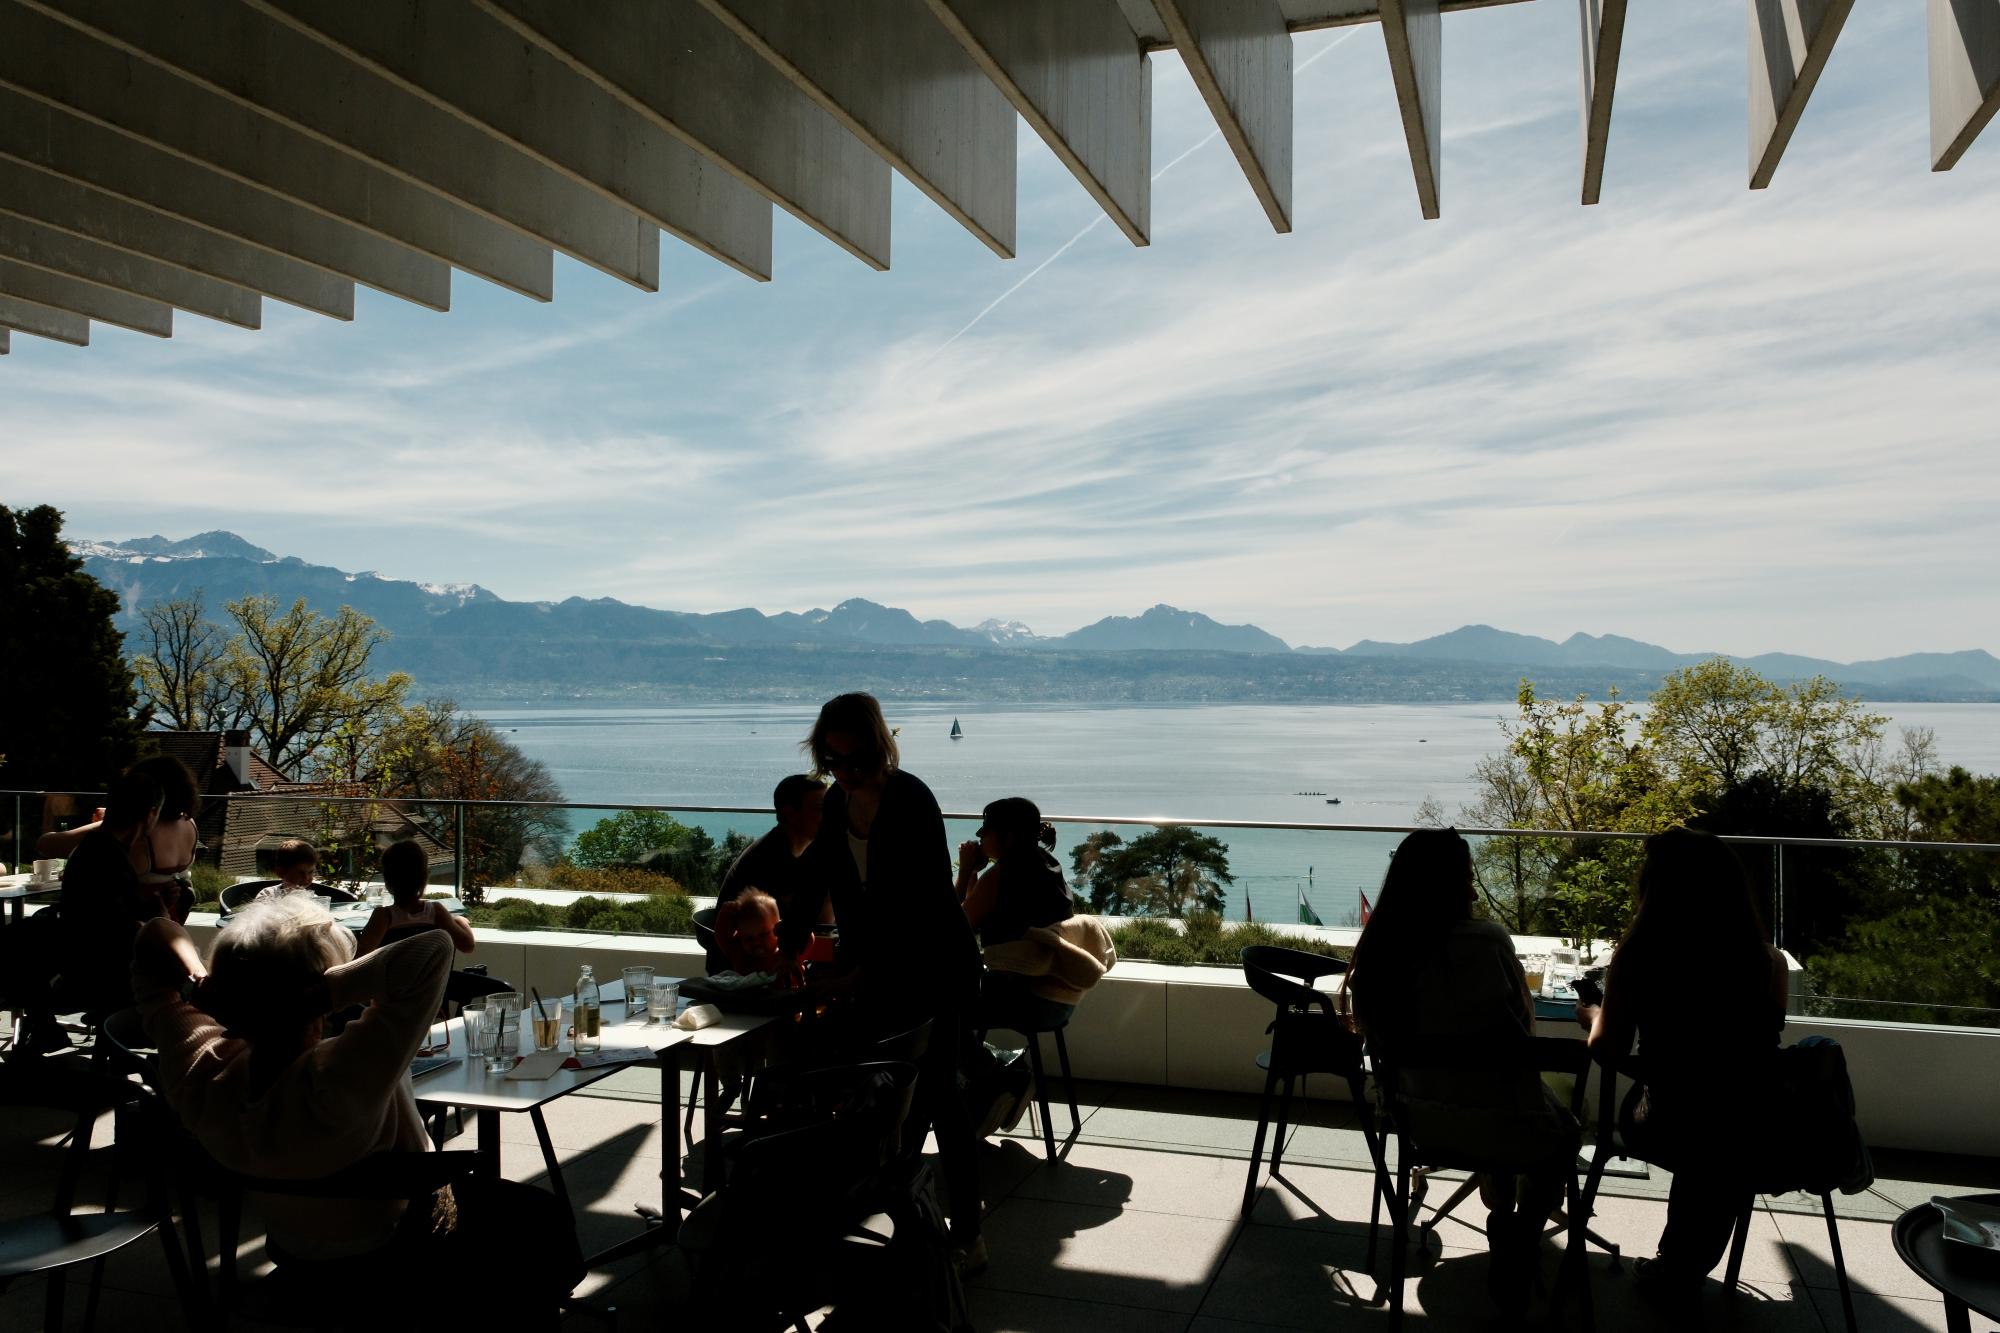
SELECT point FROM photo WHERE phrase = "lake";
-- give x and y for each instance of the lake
(1218, 761)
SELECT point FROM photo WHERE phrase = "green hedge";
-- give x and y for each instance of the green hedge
(1207, 939)
(658, 914)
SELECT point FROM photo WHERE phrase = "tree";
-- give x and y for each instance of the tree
(182, 673)
(1169, 871)
(1513, 874)
(628, 838)
(299, 681)
(301, 678)
(67, 709)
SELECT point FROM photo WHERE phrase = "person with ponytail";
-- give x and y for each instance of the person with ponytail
(1008, 876)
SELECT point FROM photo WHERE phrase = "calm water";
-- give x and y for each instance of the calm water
(1217, 761)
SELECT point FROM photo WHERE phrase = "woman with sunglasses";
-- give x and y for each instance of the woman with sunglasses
(882, 852)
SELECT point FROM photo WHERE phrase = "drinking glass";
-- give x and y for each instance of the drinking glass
(1536, 965)
(638, 988)
(549, 1026)
(664, 1002)
(482, 1033)
(508, 1002)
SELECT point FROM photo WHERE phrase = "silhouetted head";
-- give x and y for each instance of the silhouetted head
(182, 793)
(796, 801)
(263, 967)
(851, 742)
(1013, 824)
(133, 803)
(1692, 899)
(1427, 891)
(406, 870)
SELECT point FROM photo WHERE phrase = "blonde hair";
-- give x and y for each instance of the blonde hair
(860, 716)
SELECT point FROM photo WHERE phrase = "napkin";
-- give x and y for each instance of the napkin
(697, 1016)
(534, 1068)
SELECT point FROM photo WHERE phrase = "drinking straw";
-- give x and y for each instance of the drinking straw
(540, 1008)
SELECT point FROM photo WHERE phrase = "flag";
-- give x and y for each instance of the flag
(1307, 917)
(1365, 908)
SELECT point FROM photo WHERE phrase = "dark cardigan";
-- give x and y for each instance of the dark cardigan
(905, 929)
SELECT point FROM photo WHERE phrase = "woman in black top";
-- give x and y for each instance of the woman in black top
(1704, 993)
(1007, 878)
(882, 852)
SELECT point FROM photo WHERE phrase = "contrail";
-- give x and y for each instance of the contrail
(1092, 225)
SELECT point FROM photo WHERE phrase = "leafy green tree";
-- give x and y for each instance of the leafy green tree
(1171, 871)
(300, 678)
(629, 838)
(66, 711)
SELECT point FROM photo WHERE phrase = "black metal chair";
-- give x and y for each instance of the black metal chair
(238, 896)
(1558, 1055)
(54, 1242)
(1032, 1027)
(1612, 1142)
(1307, 1037)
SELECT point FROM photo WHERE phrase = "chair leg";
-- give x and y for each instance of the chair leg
(1069, 1083)
(1399, 1246)
(197, 1249)
(1575, 1270)
(1371, 1135)
(694, 1100)
(1257, 1144)
(1839, 1260)
(229, 1233)
(1600, 1157)
(1736, 1244)
(1284, 1120)
(1041, 1094)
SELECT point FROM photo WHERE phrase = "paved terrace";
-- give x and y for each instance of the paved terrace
(1137, 1229)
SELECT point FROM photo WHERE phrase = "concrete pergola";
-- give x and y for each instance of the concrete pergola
(201, 155)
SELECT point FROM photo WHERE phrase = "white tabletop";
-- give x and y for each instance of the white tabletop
(468, 1084)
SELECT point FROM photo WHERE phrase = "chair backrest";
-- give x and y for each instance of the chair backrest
(1271, 971)
(239, 896)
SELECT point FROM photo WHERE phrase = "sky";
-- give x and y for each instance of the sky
(1711, 418)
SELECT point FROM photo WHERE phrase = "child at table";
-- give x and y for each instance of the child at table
(746, 933)
(297, 863)
(405, 872)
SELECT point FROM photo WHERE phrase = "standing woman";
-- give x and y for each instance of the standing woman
(882, 852)
(1707, 1062)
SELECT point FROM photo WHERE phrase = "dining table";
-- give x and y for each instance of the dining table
(628, 1040)
(17, 892)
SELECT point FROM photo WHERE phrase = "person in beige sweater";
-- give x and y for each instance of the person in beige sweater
(243, 1063)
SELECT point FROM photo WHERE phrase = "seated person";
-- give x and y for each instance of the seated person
(405, 873)
(746, 934)
(244, 1064)
(165, 868)
(103, 902)
(297, 862)
(1009, 882)
(1707, 1067)
(776, 863)
(1427, 975)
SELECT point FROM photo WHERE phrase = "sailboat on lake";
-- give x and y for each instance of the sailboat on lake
(956, 733)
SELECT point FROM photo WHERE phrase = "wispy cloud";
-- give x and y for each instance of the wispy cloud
(1693, 414)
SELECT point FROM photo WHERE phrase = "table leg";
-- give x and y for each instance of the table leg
(1956, 1317)
(669, 1226)
(488, 1140)
(556, 1181)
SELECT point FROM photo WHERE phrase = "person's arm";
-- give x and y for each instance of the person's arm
(163, 956)
(1610, 1024)
(402, 985)
(61, 842)
(457, 927)
(985, 895)
(371, 934)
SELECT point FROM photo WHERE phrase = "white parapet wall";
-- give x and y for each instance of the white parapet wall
(1917, 1086)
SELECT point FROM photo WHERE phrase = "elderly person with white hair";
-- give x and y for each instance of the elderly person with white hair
(245, 1064)
(243, 1061)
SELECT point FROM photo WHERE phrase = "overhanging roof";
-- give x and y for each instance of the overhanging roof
(201, 155)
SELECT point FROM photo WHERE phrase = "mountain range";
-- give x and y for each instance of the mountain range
(464, 637)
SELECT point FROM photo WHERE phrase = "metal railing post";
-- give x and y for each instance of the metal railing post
(1777, 895)
(458, 853)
